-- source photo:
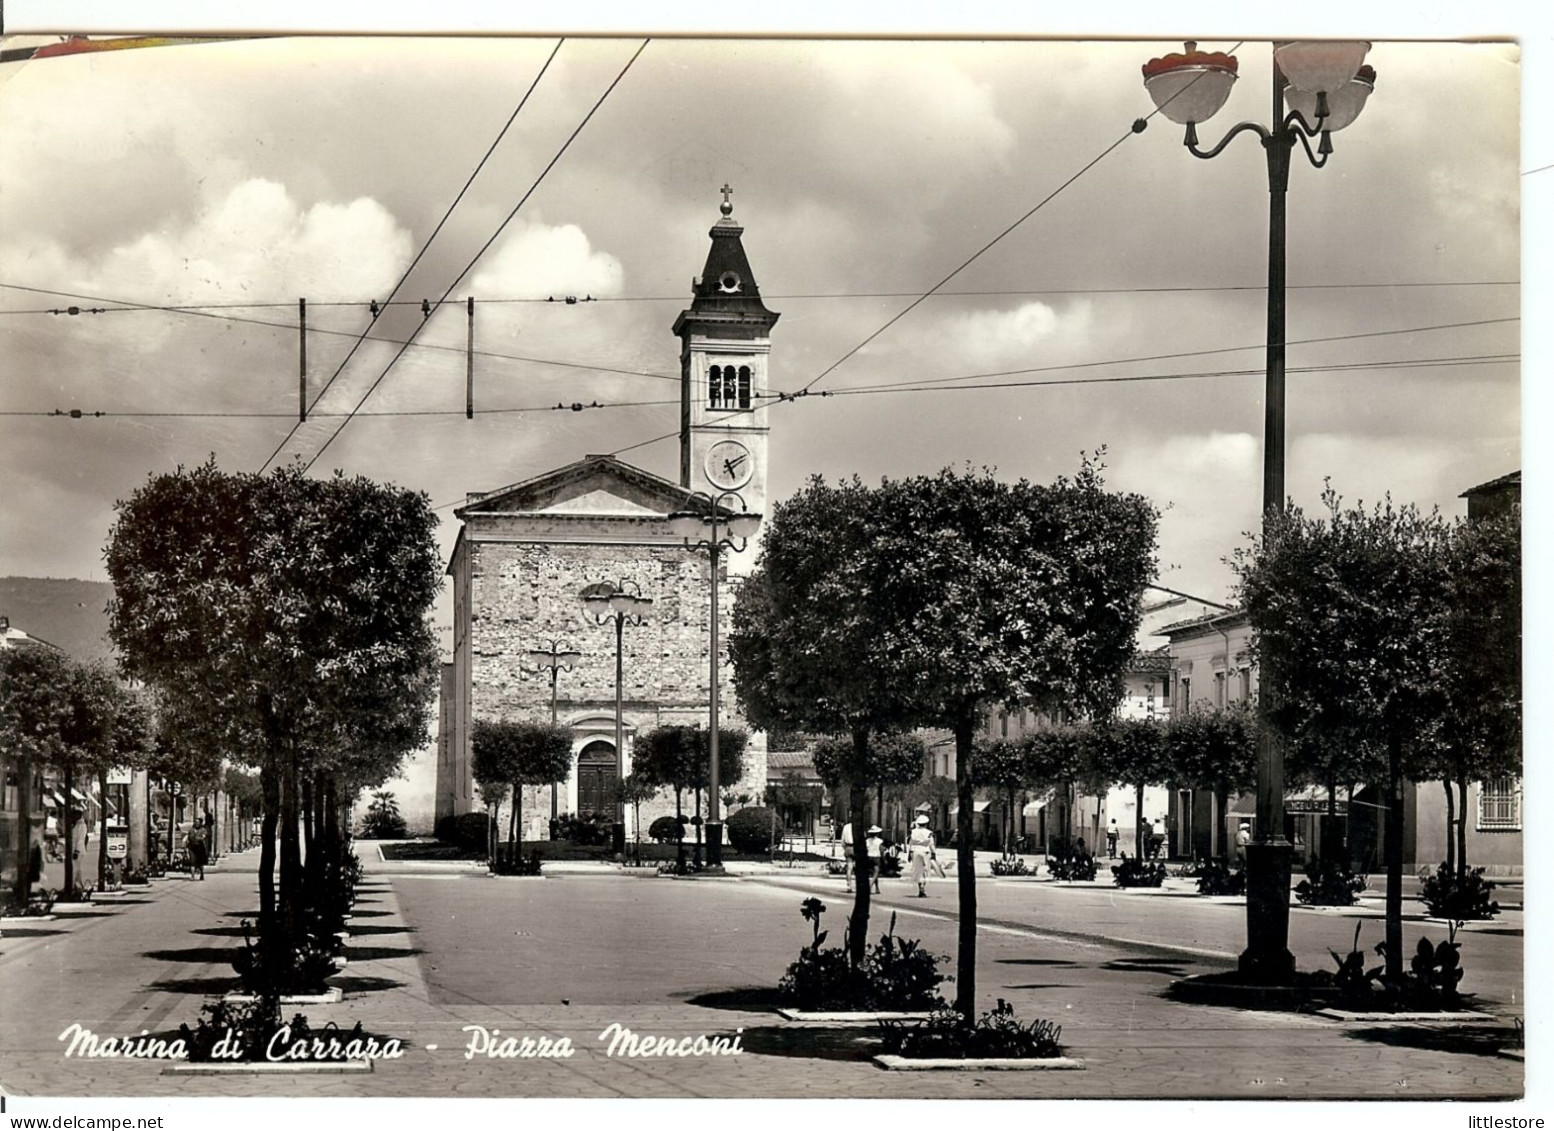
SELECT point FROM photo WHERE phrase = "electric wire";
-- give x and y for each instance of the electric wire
(425, 246)
(476, 258)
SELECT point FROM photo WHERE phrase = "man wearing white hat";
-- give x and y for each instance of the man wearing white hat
(920, 845)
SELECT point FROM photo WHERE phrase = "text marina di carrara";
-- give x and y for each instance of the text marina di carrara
(617, 1040)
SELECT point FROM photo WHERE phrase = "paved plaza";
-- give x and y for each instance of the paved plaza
(437, 949)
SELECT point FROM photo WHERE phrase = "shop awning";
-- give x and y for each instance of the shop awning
(924, 807)
(1034, 808)
(976, 807)
(1311, 799)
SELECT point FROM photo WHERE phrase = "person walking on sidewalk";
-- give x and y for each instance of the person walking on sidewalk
(920, 845)
(1111, 840)
(194, 845)
(876, 848)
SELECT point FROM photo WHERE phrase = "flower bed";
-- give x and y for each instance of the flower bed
(995, 1039)
(896, 975)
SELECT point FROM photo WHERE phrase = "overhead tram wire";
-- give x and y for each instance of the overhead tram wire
(124, 307)
(1136, 128)
(522, 102)
(476, 258)
(1398, 363)
(292, 327)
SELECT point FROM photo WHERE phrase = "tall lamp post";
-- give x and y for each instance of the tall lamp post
(554, 658)
(621, 604)
(1325, 85)
(715, 528)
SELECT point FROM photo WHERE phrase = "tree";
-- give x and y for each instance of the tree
(520, 753)
(1058, 758)
(1007, 594)
(1480, 733)
(1002, 763)
(383, 819)
(1347, 611)
(633, 790)
(892, 758)
(810, 638)
(34, 706)
(1213, 749)
(1131, 752)
(288, 616)
(680, 756)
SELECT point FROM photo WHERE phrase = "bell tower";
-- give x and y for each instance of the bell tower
(725, 341)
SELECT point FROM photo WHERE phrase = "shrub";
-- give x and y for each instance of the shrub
(283, 966)
(1080, 866)
(466, 831)
(1011, 866)
(667, 829)
(1135, 873)
(382, 820)
(251, 1026)
(1429, 983)
(896, 974)
(504, 864)
(1448, 895)
(1329, 885)
(583, 828)
(751, 829)
(1215, 878)
(995, 1034)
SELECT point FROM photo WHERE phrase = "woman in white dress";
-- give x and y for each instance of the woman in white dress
(920, 845)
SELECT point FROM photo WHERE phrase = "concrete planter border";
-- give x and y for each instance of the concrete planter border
(1458, 1017)
(24, 920)
(329, 997)
(893, 1063)
(850, 1017)
(268, 1068)
(73, 906)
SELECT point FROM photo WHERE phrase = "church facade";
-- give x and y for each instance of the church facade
(525, 553)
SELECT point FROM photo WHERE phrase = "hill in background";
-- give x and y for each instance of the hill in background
(67, 613)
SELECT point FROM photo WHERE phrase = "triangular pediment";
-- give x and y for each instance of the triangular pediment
(594, 486)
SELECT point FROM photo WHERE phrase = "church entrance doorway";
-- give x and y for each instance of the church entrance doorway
(596, 778)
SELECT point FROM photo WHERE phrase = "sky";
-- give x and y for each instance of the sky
(263, 171)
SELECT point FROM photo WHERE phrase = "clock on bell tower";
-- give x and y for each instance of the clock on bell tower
(725, 341)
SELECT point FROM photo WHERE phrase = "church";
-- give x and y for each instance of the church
(526, 552)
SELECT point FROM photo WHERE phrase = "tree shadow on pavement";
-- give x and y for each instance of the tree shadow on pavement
(353, 984)
(31, 932)
(1174, 969)
(751, 999)
(377, 929)
(204, 954)
(208, 987)
(1476, 1040)
(812, 1042)
(1036, 962)
(369, 953)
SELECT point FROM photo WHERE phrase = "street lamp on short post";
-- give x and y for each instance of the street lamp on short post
(554, 658)
(621, 604)
(1325, 86)
(714, 528)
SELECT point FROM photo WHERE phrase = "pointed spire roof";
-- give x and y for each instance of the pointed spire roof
(726, 290)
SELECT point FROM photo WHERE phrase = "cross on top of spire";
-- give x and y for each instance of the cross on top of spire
(727, 207)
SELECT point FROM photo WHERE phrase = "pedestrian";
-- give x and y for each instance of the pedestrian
(921, 846)
(875, 844)
(194, 845)
(847, 854)
(1111, 839)
(1243, 838)
(1159, 841)
(1147, 841)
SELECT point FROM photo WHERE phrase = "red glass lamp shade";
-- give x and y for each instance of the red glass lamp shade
(1190, 86)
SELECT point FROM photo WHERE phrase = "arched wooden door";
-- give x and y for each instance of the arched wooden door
(596, 778)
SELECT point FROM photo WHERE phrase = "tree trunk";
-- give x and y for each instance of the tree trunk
(290, 846)
(309, 825)
(1462, 824)
(512, 819)
(965, 876)
(679, 826)
(102, 831)
(70, 831)
(1394, 852)
(517, 822)
(1451, 826)
(270, 811)
(858, 806)
(1330, 833)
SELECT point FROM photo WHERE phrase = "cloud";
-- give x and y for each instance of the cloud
(535, 259)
